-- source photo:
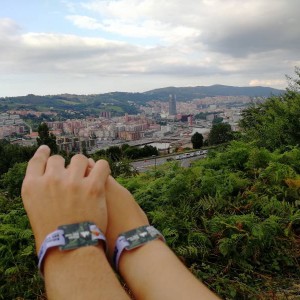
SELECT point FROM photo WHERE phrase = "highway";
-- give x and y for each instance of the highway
(147, 163)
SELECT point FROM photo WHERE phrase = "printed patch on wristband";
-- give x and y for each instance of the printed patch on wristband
(140, 236)
(79, 235)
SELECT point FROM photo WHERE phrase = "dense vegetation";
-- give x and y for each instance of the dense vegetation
(233, 218)
(220, 133)
(116, 153)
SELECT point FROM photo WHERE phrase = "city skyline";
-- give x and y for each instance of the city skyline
(172, 105)
(91, 47)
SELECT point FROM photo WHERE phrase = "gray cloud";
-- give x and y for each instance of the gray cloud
(276, 26)
(196, 42)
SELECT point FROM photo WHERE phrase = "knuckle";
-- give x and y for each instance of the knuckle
(56, 157)
(79, 157)
(103, 164)
(37, 158)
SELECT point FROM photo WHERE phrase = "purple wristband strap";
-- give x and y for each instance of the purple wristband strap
(133, 239)
(71, 236)
(54, 239)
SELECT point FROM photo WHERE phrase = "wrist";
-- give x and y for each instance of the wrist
(83, 273)
(131, 259)
(132, 239)
(112, 235)
(56, 258)
(70, 237)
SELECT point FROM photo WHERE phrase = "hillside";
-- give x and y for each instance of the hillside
(189, 93)
(121, 102)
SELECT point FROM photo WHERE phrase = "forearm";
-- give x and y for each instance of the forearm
(83, 273)
(54, 195)
(154, 272)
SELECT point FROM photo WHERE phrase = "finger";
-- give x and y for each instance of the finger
(100, 172)
(78, 166)
(90, 167)
(55, 165)
(37, 164)
(91, 162)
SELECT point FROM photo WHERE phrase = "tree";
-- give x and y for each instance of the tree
(197, 140)
(12, 180)
(123, 168)
(294, 83)
(11, 154)
(124, 147)
(217, 120)
(46, 139)
(148, 150)
(132, 152)
(220, 133)
(275, 123)
(114, 153)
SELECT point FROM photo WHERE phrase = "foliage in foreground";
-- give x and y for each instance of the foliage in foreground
(233, 218)
(19, 276)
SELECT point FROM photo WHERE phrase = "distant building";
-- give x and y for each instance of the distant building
(11, 124)
(129, 135)
(172, 105)
(105, 114)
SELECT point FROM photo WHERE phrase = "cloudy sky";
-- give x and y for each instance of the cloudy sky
(96, 46)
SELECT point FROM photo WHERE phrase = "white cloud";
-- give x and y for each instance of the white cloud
(268, 82)
(151, 43)
(234, 27)
(84, 22)
(43, 53)
(8, 27)
(162, 32)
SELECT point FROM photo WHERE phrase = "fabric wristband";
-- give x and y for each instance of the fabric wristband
(71, 236)
(133, 239)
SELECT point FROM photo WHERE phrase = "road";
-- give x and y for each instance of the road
(144, 165)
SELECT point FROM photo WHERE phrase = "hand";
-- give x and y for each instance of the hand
(123, 212)
(54, 195)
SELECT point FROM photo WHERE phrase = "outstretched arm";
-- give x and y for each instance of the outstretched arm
(151, 271)
(55, 196)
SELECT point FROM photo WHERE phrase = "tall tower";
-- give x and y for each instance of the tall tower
(172, 105)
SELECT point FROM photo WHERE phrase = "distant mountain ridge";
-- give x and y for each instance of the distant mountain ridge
(121, 102)
(189, 93)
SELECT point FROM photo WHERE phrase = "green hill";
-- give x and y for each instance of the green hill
(127, 101)
(190, 93)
